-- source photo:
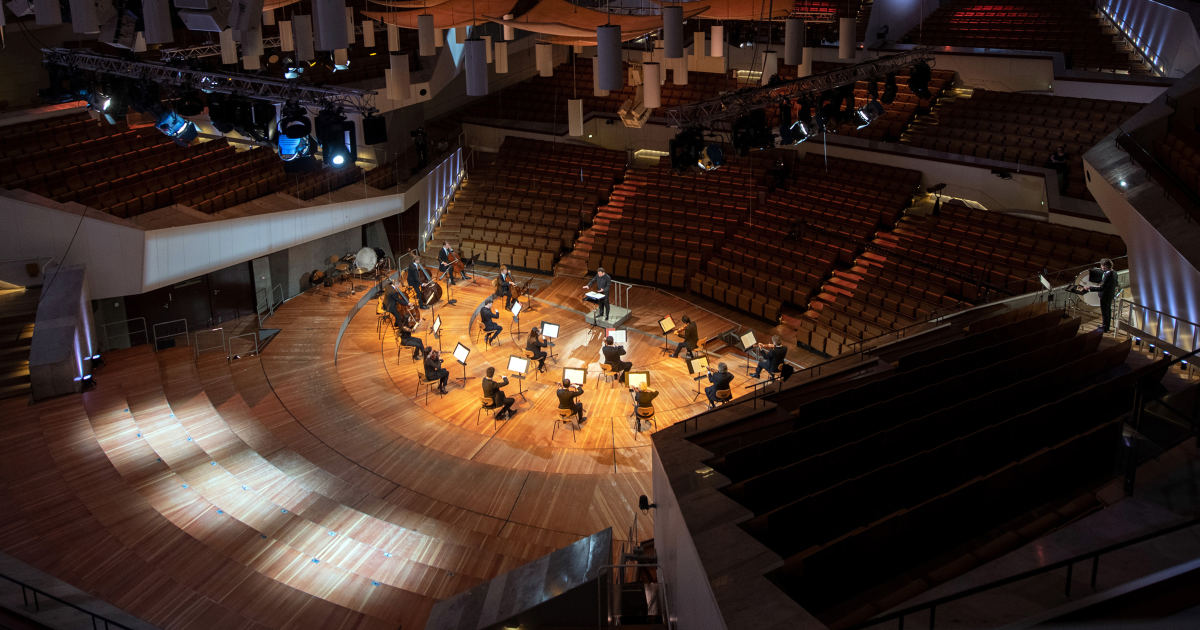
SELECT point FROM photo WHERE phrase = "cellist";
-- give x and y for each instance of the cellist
(446, 262)
(504, 286)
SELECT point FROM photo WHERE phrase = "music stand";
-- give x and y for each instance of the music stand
(620, 335)
(461, 353)
(550, 331)
(437, 330)
(450, 301)
(666, 324)
(695, 366)
(635, 380)
(576, 376)
(517, 366)
(516, 315)
(748, 341)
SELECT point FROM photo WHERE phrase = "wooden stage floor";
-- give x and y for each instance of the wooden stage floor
(367, 406)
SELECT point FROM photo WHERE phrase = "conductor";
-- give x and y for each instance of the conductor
(1108, 292)
(492, 389)
(612, 358)
(601, 282)
(566, 400)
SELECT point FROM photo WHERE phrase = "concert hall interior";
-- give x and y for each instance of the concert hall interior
(563, 314)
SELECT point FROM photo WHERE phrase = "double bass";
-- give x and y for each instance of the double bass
(430, 291)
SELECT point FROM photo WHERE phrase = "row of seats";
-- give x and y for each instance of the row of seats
(1177, 151)
(493, 253)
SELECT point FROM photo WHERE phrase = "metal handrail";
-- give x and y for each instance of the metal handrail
(168, 323)
(108, 623)
(1125, 315)
(145, 331)
(253, 335)
(1069, 563)
(211, 331)
(664, 603)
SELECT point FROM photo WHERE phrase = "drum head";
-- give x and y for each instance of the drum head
(365, 258)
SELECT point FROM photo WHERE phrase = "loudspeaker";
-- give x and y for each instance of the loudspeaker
(374, 130)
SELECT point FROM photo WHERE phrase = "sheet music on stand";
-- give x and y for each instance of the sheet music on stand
(636, 379)
(517, 366)
(619, 336)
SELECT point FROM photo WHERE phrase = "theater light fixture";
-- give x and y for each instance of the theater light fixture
(868, 113)
(336, 135)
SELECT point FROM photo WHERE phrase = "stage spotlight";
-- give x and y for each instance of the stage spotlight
(294, 122)
(189, 103)
(685, 148)
(918, 80)
(868, 113)
(221, 112)
(711, 158)
(751, 132)
(176, 127)
(294, 148)
(336, 135)
(801, 131)
(889, 89)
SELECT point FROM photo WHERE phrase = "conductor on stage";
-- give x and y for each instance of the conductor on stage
(492, 389)
(566, 399)
(691, 337)
(1108, 292)
(612, 357)
(601, 282)
(720, 381)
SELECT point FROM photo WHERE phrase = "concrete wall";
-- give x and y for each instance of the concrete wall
(900, 16)
(63, 335)
(302, 259)
(1165, 35)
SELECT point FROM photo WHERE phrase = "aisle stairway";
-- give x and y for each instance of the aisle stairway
(18, 309)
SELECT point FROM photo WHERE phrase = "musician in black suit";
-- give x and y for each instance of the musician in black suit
(492, 389)
(444, 264)
(720, 380)
(1108, 292)
(408, 339)
(773, 356)
(612, 357)
(504, 286)
(566, 400)
(691, 337)
(535, 344)
(435, 371)
(488, 317)
(416, 276)
(393, 299)
(601, 282)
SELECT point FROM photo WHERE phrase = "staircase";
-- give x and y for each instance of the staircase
(18, 309)
(576, 263)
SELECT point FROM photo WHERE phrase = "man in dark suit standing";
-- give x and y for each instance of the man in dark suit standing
(720, 381)
(691, 337)
(492, 389)
(612, 357)
(601, 282)
(566, 400)
(444, 262)
(1108, 292)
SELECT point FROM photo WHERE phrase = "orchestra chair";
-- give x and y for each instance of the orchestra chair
(486, 404)
(400, 351)
(481, 334)
(608, 374)
(429, 385)
(529, 355)
(723, 396)
(645, 414)
(564, 415)
(381, 317)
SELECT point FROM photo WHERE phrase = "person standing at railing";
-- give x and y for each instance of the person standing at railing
(1108, 292)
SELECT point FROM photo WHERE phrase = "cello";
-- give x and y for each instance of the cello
(458, 268)
(430, 291)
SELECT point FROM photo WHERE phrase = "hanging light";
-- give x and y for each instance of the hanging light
(544, 56)
(475, 64)
(510, 33)
(673, 31)
(575, 117)
(717, 40)
(302, 32)
(846, 38)
(793, 41)
(651, 85)
(608, 50)
(425, 36)
(501, 56)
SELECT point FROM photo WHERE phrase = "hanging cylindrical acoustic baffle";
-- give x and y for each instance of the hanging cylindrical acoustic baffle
(393, 35)
(425, 35)
(139, 42)
(700, 48)
(156, 16)
(596, 89)
(501, 55)
(268, 18)
(399, 85)
(510, 33)
(83, 17)
(460, 34)
(341, 57)
(302, 33)
(805, 67)
(487, 47)
(793, 41)
(846, 38)
(329, 24)
(475, 64)
(717, 40)
(350, 25)
(770, 65)
(46, 12)
(673, 31)
(544, 56)
(679, 72)
(575, 117)
(368, 33)
(608, 50)
(252, 43)
(286, 42)
(652, 85)
(439, 37)
(229, 52)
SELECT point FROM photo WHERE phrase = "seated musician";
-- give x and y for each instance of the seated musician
(644, 396)
(690, 335)
(488, 316)
(393, 299)
(612, 357)
(492, 389)
(566, 400)
(504, 286)
(720, 380)
(435, 372)
(535, 344)
(416, 277)
(405, 329)
(444, 264)
(775, 353)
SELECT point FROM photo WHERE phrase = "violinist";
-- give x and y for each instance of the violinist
(535, 344)
(504, 285)
(690, 337)
(435, 372)
(720, 380)
(774, 356)
(446, 260)
(492, 389)
(644, 396)
(488, 317)
(612, 358)
(566, 400)
(405, 328)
